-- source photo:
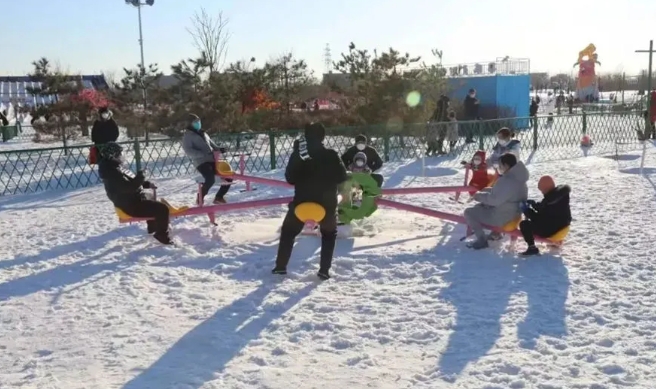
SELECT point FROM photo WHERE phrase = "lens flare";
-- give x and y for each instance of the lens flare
(413, 99)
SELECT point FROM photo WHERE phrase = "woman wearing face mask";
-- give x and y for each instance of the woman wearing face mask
(200, 149)
(104, 130)
(505, 144)
(373, 162)
(500, 204)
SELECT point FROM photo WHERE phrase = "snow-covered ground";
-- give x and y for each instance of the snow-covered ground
(88, 303)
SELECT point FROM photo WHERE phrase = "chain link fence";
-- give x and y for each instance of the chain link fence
(36, 170)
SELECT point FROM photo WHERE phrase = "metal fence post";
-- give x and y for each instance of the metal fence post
(481, 135)
(584, 120)
(386, 144)
(535, 133)
(64, 141)
(272, 148)
(137, 154)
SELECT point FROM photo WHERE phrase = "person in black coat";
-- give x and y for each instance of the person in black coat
(125, 190)
(374, 162)
(316, 173)
(533, 113)
(547, 217)
(104, 128)
(471, 106)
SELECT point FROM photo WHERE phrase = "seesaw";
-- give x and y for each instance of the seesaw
(370, 190)
(223, 170)
(312, 213)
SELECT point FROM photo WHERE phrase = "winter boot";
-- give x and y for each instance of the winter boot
(163, 238)
(280, 271)
(323, 274)
(478, 244)
(531, 250)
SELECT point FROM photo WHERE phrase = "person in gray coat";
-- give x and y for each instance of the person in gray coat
(200, 149)
(500, 204)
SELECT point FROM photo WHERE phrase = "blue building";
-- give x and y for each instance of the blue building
(502, 88)
(17, 89)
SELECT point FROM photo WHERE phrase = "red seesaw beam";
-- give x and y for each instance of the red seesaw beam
(259, 180)
(447, 216)
(428, 189)
(223, 207)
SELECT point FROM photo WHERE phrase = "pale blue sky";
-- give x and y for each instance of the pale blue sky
(91, 36)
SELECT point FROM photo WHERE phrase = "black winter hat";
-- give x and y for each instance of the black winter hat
(315, 132)
(192, 118)
(103, 109)
(111, 150)
(361, 139)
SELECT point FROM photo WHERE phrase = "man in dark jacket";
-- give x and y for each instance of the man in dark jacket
(374, 162)
(104, 128)
(547, 217)
(200, 148)
(124, 190)
(436, 131)
(533, 113)
(471, 105)
(316, 173)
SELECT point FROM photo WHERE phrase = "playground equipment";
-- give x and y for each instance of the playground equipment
(363, 196)
(586, 84)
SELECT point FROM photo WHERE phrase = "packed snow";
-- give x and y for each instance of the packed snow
(86, 302)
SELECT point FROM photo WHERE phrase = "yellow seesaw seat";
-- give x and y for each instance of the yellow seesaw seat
(310, 212)
(511, 225)
(559, 236)
(223, 168)
(556, 238)
(122, 216)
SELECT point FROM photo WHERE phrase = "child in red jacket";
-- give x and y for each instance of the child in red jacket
(478, 167)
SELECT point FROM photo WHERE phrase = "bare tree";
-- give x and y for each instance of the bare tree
(211, 37)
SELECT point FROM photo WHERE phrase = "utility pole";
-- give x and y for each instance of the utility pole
(138, 4)
(648, 119)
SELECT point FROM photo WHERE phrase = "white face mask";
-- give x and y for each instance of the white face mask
(503, 142)
(359, 163)
(361, 146)
(105, 115)
(476, 161)
(501, 169)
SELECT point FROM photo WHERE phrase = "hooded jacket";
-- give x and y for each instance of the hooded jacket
(513, 147)
(198, 146)
(123, 188)
(502, 201)
(553, 213)
(374, 161)
(315, 171)
(104, 131)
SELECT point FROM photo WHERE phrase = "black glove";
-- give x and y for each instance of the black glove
(222, 150)
(149, 185)
(139, 175)
(531, 203)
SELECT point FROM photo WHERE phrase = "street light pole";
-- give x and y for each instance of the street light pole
(139, 4)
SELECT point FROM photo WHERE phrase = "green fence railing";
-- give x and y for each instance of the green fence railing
(25, 171)
(8, 133)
